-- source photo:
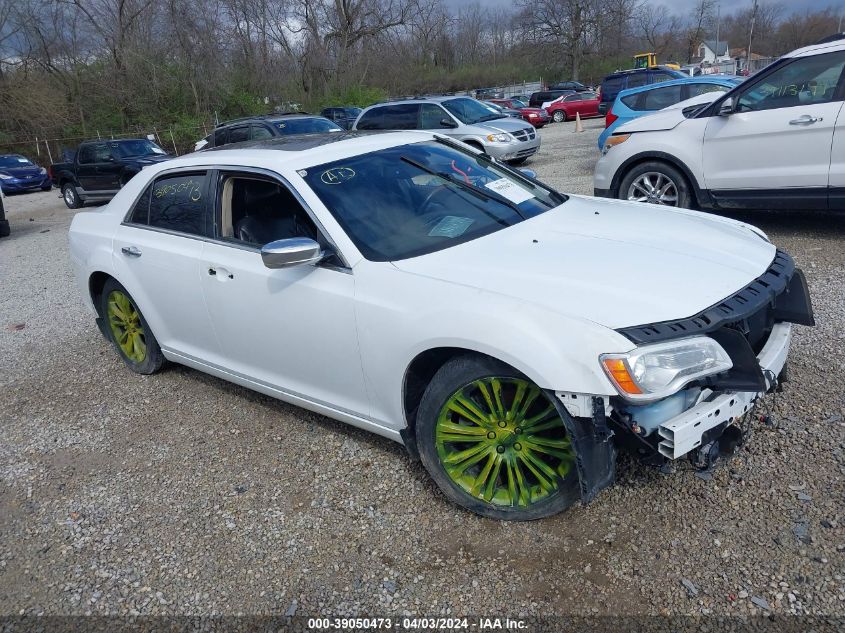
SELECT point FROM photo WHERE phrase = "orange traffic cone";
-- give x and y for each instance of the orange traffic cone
(579, 127)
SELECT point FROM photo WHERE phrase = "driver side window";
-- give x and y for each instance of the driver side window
(804, 81)
(255, 211)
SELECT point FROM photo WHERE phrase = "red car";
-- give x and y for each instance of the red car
(535, 116)
(584, 103)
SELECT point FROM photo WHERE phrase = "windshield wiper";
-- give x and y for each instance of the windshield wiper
(484, 157)
(485, 194)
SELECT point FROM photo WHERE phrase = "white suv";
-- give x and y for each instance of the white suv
(776, 141)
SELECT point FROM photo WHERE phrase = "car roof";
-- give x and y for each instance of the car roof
(268, 117)
(632, 71)
(835, 44)
(414, 100)
(721, 80)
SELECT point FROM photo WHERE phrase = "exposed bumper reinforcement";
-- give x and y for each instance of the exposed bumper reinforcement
(683, 433)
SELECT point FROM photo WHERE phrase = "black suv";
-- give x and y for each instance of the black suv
(344, 116)
(537, 99)
(258, 128)
(614, 83)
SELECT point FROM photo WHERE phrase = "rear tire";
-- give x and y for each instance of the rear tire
(47, 187)
(5, 229)
(71, 196)
(128, 330)
(494, 443)
(656, 182)
(559, 116)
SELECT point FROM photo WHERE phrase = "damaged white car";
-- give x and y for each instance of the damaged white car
(511, 336)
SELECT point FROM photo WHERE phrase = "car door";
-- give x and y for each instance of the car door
(836, 179)
(777, 140)
(589, 104)
(109, 169)
(86, 167)
(290, 330)
(157, 253)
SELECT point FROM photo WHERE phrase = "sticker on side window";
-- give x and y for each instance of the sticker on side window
(510, 190)
(450, 226)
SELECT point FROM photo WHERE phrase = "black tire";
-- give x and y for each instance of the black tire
(559, 116)
(5, 229)
(455, 374)
(71, 196)
(153, 358)
(47, 187)
(684, 196)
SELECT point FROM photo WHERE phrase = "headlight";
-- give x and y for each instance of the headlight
(5, 177)
(533, 114)
(43, 171)
(651, 372)
(613, 141)
(498, 138)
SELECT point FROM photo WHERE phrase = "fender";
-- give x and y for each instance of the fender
(702, 196)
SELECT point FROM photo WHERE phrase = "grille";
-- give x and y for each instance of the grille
(526, 134)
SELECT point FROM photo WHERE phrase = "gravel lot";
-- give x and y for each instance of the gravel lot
(183, 494)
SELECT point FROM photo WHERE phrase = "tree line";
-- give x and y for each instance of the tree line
(70, 67)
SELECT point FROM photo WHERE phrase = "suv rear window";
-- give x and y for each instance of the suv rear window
(611, 87)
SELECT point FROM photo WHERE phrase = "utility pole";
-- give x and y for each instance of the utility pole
(718, 19)
(750, 39)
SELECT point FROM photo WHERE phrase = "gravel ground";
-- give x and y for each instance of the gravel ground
(183, 494)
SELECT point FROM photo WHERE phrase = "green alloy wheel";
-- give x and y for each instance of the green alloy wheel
(495, 443)
(129, 331)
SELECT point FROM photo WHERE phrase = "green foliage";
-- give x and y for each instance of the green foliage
(360, 96)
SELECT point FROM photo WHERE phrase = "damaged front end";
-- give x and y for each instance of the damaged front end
(689, 385)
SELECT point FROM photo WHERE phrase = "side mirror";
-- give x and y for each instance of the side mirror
(295, 251)
(726, 108)
(444, 122)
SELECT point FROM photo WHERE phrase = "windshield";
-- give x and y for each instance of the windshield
(516, 103)
(469, 111)
(136, 147)
(14, 161)
(414, 199)
(304, 125)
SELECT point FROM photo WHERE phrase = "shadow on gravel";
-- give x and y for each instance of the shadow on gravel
(819, 223)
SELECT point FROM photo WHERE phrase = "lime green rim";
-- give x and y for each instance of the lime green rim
(125, 323)
(503, 442)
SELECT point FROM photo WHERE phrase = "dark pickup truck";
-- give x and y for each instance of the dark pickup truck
(100, 168)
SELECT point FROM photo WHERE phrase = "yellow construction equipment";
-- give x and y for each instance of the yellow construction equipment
(649, 60)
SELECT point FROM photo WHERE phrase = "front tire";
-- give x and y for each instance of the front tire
(71, 196)
(559, 116)
(47, 187)
(129, 331)
(656, 182)
(494, 443)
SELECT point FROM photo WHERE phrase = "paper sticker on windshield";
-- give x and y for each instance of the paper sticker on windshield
(450, 226)
(510, 190)
(23, 160)
(337, 175)
(158, 150)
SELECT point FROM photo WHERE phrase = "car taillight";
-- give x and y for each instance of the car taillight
(609, 119)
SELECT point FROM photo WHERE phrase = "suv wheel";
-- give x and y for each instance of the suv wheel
(656, 182)
(71, 197)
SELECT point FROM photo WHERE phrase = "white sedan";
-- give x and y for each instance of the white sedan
(509, 335)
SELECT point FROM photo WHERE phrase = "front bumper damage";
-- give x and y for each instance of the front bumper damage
(754, 326)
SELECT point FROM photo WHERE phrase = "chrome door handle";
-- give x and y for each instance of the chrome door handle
(131, 251)
(806, 120)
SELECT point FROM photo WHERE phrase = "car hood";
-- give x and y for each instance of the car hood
(508, 124)
(539, 111)
(615, 263)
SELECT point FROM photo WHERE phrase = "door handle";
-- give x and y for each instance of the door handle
(806, 120)
(131, 251)
(224, 274)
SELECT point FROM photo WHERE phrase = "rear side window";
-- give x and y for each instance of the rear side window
(401, 117)
(656, 76)
(141, 212)
(259, 132)
(632, 101)
(660, 98)
(611, 87)
(372, 120)
(86, 154)
(635, 80)
(179, 203)
(220, 137)
(693, 90)
(239, 134)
